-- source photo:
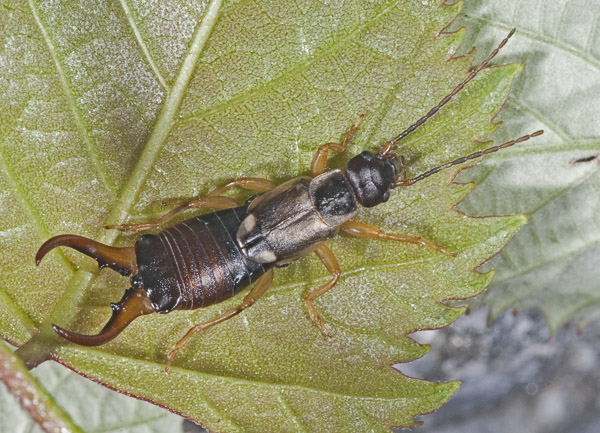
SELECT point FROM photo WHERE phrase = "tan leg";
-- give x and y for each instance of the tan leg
(402, 172)
(216, 202)
(252, 183)
(319, 162)
(364, 230)
(332, 265)
(213, 200)
(261, 286)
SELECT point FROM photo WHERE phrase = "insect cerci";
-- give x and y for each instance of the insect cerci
(210, 258)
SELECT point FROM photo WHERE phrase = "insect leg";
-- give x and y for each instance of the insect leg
(251, 183)
(364, 230)
(216, 202)
(213, 201)
(332, 265)
(402, 171)
(318, 164)
(261, 286)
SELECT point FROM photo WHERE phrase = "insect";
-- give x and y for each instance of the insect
(210, 258)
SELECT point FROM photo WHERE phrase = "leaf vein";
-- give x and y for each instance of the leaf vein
(540, 38)
(294, 70)
(25, 320)
(142, 45)
(127, 425)
(539, 116)
(187, 374)
(163, 126)
(560, 192)
(558, 259)
(292, 414)
(75, 112)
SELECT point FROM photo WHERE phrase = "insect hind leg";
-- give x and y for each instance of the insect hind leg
(259, 289)
(214, 200)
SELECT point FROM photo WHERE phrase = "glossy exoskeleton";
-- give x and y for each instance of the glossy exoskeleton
(209, 258)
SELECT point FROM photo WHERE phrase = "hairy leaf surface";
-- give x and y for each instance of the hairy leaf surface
(553, 262)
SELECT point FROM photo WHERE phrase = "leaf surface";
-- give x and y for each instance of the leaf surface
(552, 262)
(112, 108)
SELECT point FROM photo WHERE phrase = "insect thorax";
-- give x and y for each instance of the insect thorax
(291, 220)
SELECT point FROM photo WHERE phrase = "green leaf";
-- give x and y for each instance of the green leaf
(112, 108)
(553, 262)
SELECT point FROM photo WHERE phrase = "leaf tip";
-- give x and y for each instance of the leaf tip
(447, 389)
(516, 221)
(515, 68)
(520, 219)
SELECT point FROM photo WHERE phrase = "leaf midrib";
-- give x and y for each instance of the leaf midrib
(119, 212)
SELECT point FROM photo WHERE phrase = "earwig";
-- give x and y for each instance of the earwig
(212, 257)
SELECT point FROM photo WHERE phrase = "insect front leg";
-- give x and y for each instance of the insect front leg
(363, 230)
(214, 200)
(332, 265)
(259, 289)
(318, 164)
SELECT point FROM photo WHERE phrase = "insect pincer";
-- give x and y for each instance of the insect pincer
(121, 260)
(135, 302)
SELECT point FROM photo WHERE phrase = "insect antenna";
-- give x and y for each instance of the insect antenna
(391, 145)
(407, 182)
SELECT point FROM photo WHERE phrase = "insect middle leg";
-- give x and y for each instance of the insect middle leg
(318, 164)
(259, 289)
(332, 265)
(363, 230)
(214, 200)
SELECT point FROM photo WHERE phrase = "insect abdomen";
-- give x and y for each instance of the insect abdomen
(196, 263)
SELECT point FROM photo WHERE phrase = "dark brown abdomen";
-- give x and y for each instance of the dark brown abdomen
(196, 263)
